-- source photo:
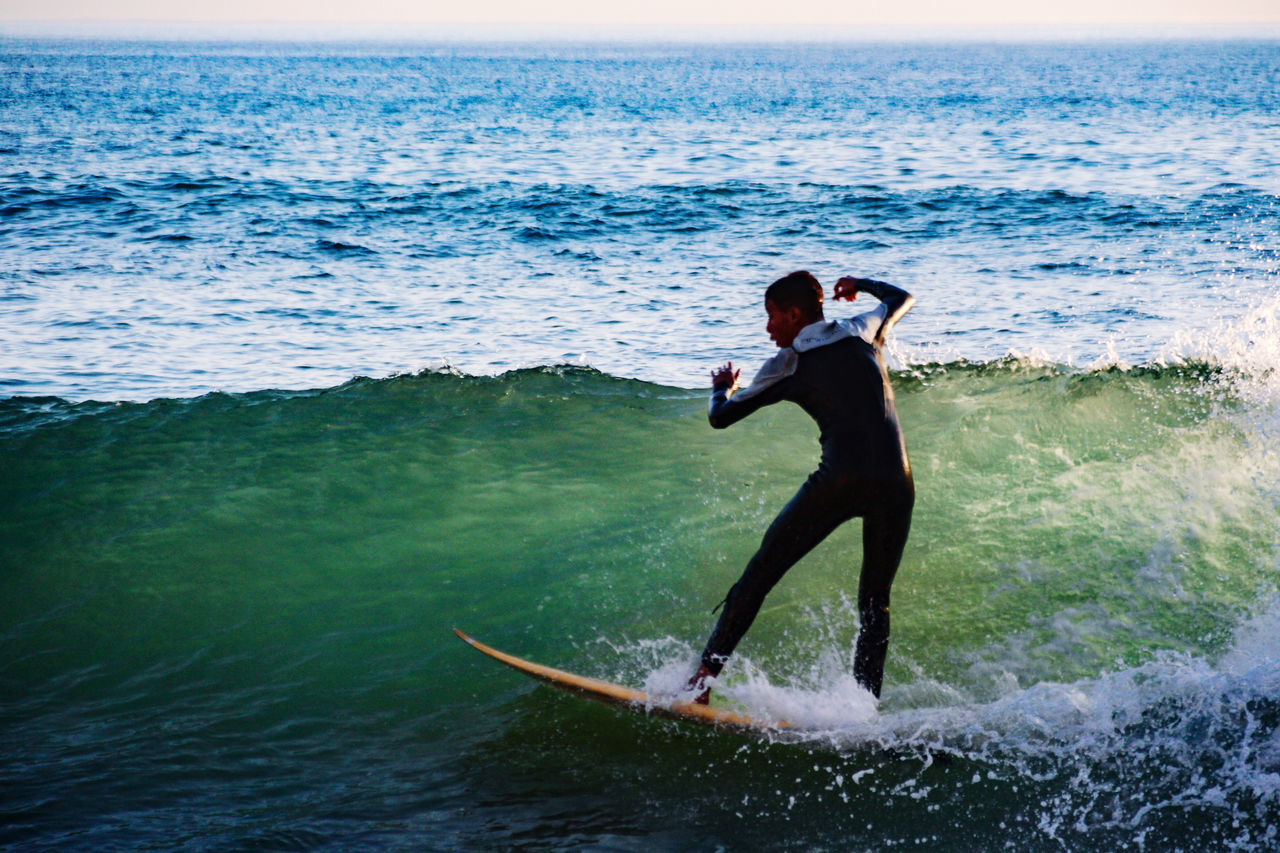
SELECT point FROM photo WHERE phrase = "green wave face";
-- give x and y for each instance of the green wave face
(276, 573)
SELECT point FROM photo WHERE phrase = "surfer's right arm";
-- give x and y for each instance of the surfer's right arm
(725, 379)
(723, 383)
(729, 405)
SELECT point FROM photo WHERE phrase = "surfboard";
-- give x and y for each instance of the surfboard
(628, 698)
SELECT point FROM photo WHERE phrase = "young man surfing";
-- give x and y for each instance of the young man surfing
(835, 371)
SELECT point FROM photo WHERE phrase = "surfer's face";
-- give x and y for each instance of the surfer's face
(784, 323)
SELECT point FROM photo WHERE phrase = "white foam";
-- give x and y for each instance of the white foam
(836, 704)
(1255, 654)
(1173, 705)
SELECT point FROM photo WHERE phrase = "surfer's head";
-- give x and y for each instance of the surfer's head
(792, 302)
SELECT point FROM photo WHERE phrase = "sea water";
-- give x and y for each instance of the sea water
(311, 352)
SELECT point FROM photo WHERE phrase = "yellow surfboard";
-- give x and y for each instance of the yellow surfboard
(625, 697)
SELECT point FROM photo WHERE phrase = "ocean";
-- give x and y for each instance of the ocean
(310, 352)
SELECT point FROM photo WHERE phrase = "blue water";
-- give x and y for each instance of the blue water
(184, 218)
(310, 352)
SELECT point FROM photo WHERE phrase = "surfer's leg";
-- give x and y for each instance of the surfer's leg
(810, 516)
(884, 535)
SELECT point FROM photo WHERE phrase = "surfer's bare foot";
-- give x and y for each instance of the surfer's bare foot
(699, 683)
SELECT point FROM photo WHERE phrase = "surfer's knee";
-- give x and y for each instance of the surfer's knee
(749, 591)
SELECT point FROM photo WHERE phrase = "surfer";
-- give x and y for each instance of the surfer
(835, 371)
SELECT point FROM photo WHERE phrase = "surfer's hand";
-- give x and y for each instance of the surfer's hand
(848, 287)
(725, 377)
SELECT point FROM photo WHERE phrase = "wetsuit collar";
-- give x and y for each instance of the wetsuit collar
(819, 334)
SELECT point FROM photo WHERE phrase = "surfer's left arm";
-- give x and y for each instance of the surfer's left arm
(895, 300)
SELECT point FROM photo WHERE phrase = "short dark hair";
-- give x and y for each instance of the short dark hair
(797, 290)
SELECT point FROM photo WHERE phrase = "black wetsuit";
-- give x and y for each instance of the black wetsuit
(864, 472)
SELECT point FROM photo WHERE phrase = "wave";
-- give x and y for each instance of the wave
(1204, 376)
(1084, 613)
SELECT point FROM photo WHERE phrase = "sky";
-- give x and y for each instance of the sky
(703, 16)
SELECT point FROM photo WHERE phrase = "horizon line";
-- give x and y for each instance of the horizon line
(389, 31)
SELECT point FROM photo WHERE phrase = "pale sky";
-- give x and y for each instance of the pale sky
(703, 15)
